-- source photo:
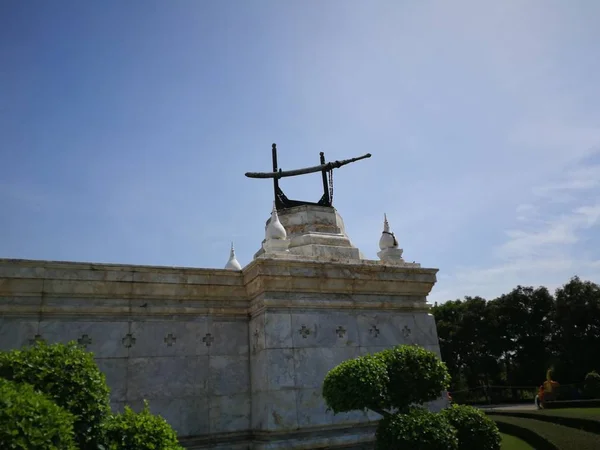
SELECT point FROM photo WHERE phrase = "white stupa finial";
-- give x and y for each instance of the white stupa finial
(233, 263)
(390, 253)
(275, 229)
(387, 239)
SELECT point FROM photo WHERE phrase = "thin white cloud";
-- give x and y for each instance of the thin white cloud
(546, 250)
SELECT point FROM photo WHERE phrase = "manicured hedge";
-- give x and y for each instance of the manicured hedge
(30, 420)
(419, 429)
(559, 436)
(388, 380)
(140, 431)
(475, 430)
(357, 384)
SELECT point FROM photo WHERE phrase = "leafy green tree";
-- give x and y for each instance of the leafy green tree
(69, 376)
(30, 420)
(577, 323)
(466, 331)
(523, 329)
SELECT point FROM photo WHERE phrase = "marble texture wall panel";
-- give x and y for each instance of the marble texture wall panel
(425, 329)
(311, 408)
(258, 408)
(104, 339)
(228, 375)
(278, 330)
(229, 413)
(115, 370)
(189, 416)
(385, 329)
(275, 410)
(280, 368)
(231, 338)
(256, 334)
(325, 329)
(169, 338)
(167, 377)
(313, 364)
(16, 333)
(259, 372)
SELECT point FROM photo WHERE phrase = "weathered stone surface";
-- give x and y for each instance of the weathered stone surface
(115, 370)
(235, 359)
(167, 377)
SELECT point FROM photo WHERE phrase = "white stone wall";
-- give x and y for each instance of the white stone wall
(225, 356)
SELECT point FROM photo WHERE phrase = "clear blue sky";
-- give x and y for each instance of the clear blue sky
(126, 129)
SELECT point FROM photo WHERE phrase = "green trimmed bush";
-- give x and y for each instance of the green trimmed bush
(357, 384)
(69, 376)
(30, 420)
(592, 385)
(386, 381)
(140, 431)
(416, 375)
(418, 429)
(475, 430)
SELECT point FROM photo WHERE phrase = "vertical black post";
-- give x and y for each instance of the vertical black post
(325, 187)
(275, 180)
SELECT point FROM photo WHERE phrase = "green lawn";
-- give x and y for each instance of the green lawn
(513, 443)
(562, 437)
(584, 413)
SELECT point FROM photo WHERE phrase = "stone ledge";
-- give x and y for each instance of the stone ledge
(360, 436)
(81, 271)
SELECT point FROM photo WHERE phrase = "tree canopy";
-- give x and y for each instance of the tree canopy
(515, 339)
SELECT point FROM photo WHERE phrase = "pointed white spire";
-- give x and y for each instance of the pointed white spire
(387, 239)
(275, 229)
(386, 225)
(233, 263)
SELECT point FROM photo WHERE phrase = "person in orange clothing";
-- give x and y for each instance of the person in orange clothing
(539, 398)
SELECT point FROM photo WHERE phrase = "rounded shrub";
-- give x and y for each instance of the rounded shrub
(139, 431)
(415, 375)
(30, 420)
(69, 376)
(475, 430)
(357, 384)
(418, 429)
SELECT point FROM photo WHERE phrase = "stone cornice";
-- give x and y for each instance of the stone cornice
(295, 275)
(51, 288)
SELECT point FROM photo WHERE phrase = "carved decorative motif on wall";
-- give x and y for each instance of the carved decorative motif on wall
(84, 341)
(406, 331)
(374, 331)
(304, 332)
(208, 339)
(170, 339)
(340, 331)
(128, 341)
(36, 338)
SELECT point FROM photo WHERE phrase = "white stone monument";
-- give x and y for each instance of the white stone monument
(235, 358)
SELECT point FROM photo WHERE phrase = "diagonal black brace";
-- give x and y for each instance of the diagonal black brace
(281, 201)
